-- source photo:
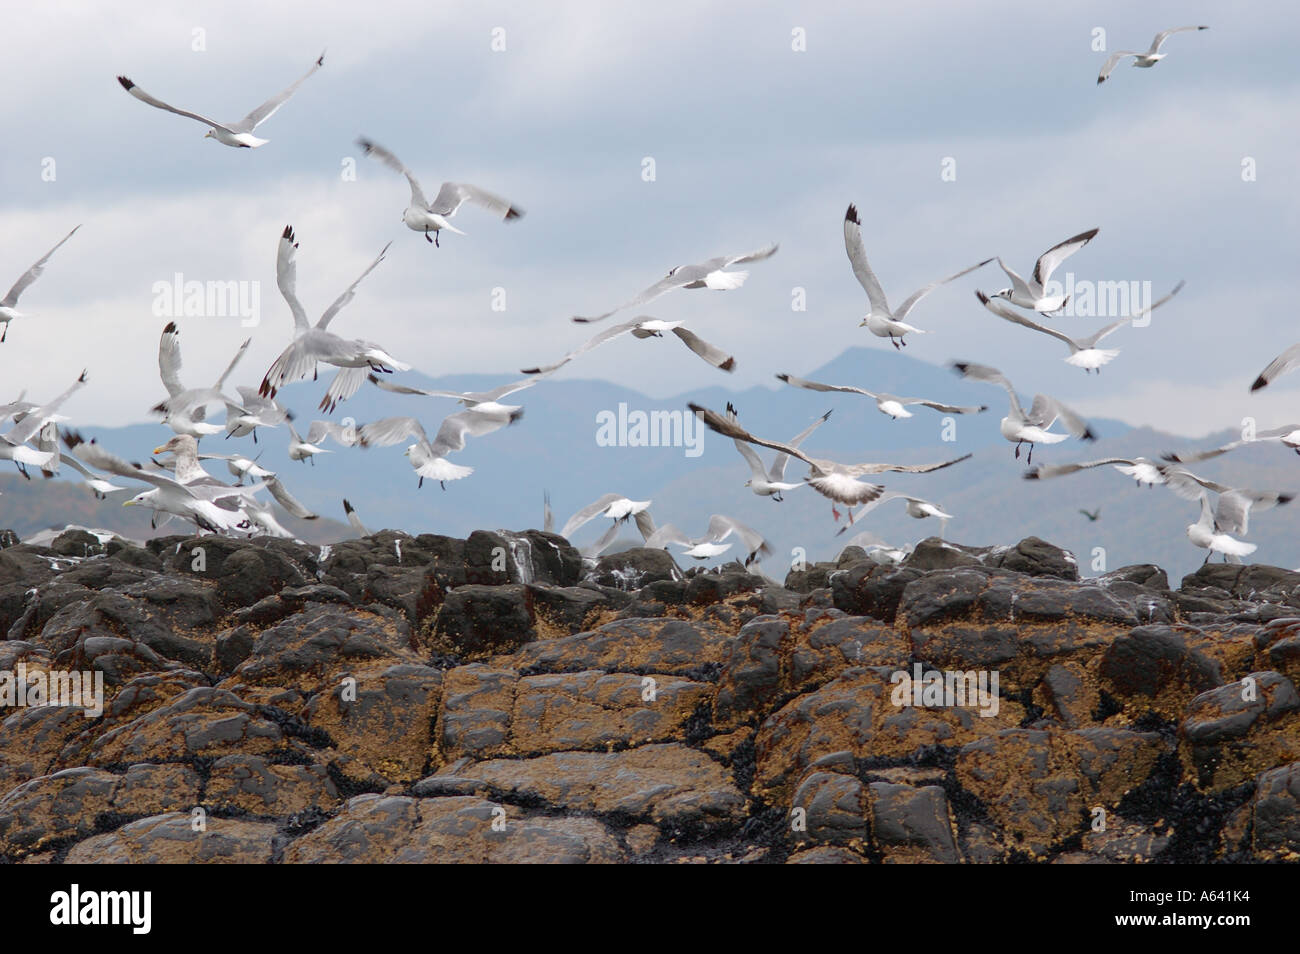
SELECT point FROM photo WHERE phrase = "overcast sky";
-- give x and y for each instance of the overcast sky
(752, 142)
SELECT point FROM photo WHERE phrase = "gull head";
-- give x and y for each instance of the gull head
(137, 500)
(864, 322)
(749, 483)
(208, 134)
(1004, 293)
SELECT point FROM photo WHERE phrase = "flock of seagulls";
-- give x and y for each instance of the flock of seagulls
(179, 487)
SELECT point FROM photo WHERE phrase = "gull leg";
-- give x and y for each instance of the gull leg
(420, 484)
(435, 240)
(426, 236)
(5, 333)
(1030, 458)
(1018, 443)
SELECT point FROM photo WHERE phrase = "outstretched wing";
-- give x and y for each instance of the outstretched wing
(267, 109)
(1054, 256)
(916, 296)
(144, 97)
(858, 259)
(1015, 317)
(32, 274)
(818, 386)
(1288, 360)
(390, 160)
(350, 293)
(710, 353)
(453, 195)
(1045, 410)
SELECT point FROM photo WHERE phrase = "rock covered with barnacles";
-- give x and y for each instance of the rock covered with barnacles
(424, 698)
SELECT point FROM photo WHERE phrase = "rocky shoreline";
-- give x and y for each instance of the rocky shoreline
(421, 698)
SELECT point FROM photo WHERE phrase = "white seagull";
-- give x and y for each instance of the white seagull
(13, 443)
(836, 481)
(710, 544)
(709, 274)
(647, 327)
(1084, 352)
(1141, 469)
(1143, 60)
(252, 412)
(427, 457)
(7, 310)
(1206, 534)
(185, 410)
(615, 506)
(916, 507)
(1030, 428)
(300, 449)
(880, 320)
(1287, 434)
(772, 482)
(354, 359)
(238, 134)
(488, 400)
(425, 216)
(889, 405)
(1033, 294)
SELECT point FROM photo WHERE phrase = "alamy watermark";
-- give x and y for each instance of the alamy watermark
(657, 428)
(20, 688)
(179, 298)
(1090, 299)
(974, 689)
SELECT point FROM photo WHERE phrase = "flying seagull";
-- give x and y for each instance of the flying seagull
(1287, 434)
(1142, 469)
(916, 507)
(710, 544)
(772, 482)
(425, 216)
(830, 479)
(7, 310)
(428, 457)
(252, 412)
(1033, 294)
(310, 345)
(1031, 428)
(300, 449)
(646, 327)
(1232, 510)
(709, 274)
(880, 320)
(615, 506)
(13, 443)
(1084, 352)
(888, 404)
(1143, 60)
(1206, 534)
(185, 410)
(1092, 515)
(485, 399)
(238, 134)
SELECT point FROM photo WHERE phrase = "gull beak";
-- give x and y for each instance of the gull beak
(862, 323)
(127, 503)
(159, 450)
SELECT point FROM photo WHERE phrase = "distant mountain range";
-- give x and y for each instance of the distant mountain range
(562, 445)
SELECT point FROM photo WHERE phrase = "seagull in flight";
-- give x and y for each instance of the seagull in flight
(833, 480)
(646, 327)
(709, 274)
(1287, 434)
(880, 320)
(1033, 294)
(488, 400)
(237, 134)
(1029, 428)
(428, 457)
(890, 405)
(7, 310)
(772, 482)
(185, 410)
(425, 216)
(1143, 60)
(710, 544)
(1084, 352)
(1141, 469)
(312, 344)
(915, 507)
(1092, 515)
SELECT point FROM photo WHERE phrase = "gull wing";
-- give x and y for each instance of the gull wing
(452, 195)
(858, 259)
(353, 519)
(351, 291)
(916, 296)
(710, 353)
(588, 513)
(286, 277)
(1045, 410)
(594, 342)
(1044, 471)
(779, 463)
(1015, 317)
(390, 160)
(817, 386)
(267, 109)
(391, 430)
(1165, 34)
(1054, 256)
(169, 359)
(144, 97)
(1111, 62)
(32, 274)
(287, 500)
(861, 470)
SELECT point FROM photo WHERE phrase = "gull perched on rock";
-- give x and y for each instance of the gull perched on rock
(1033, 294)
(647, 327)
(237, 134)
(888, 404)
(354, 359)
(425, 216)
(1029, 428)
(830, 479)
(7, 310)
(710, 544)
(772, 482)
(1084, 352)
(1143, 60)
(881, 321)
(185, 410)
(427, 457)
(708, 274)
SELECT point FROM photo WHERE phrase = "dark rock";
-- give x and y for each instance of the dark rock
(633, 569)
(871, 590)
(1036, 557)
(480, 619)
(1150, 658)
